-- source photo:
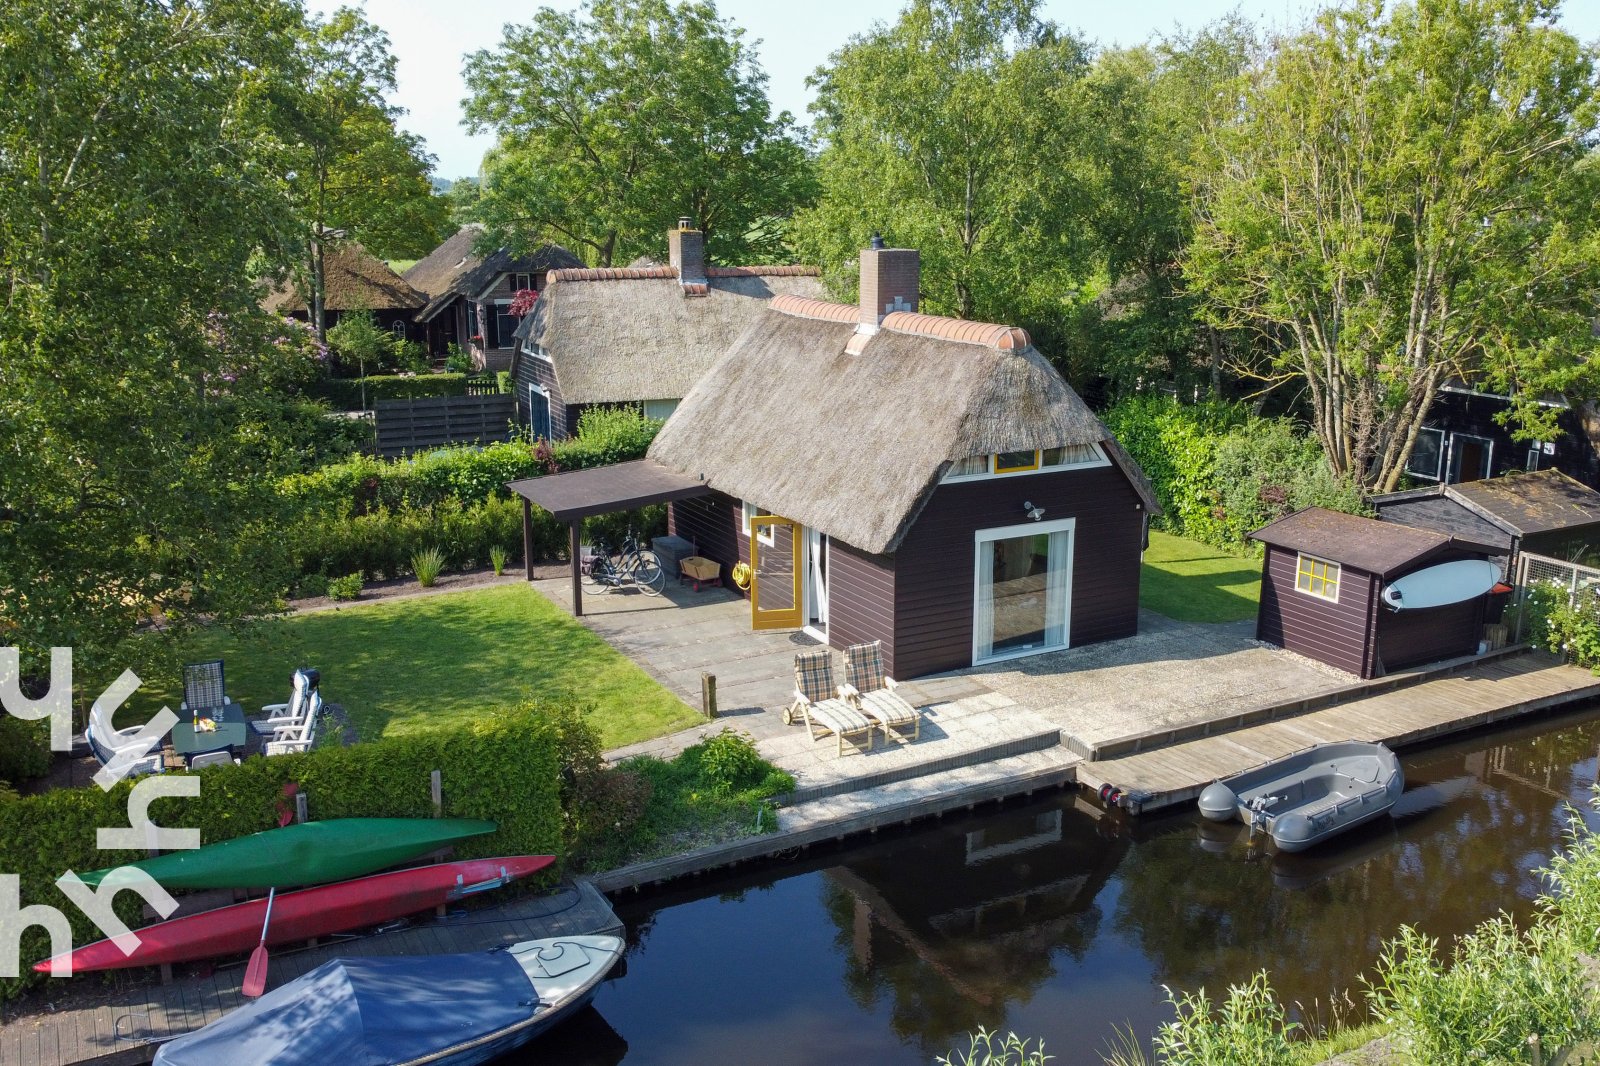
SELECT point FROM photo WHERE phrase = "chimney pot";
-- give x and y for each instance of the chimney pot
(685, 222)
(877, 240)
(890, 282)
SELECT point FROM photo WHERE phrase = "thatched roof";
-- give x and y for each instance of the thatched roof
(455, 269)
(628, 334)
(354, 281)
(854, 444)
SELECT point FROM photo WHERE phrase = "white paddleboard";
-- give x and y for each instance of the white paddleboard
(1442, 584)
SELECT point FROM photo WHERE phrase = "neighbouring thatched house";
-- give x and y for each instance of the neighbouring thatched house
(353, 280)
(1321, 581)
(470, 295)
(1544, 513)
(637, 335)
(941, 488)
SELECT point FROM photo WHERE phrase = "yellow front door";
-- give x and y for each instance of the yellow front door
(775, 572)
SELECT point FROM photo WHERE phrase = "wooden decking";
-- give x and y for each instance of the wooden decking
(1472, 697)
(135, 1014)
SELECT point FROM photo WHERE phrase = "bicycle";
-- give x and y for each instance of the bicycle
(632, 564)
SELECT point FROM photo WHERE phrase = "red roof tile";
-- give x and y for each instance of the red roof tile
(781, 270)
(805, 307)
(1005, 338)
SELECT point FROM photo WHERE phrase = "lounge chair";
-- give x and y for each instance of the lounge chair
(817, 701)
(873, 691)
(108, 743)
(301, 737)
(285, 715)
(203, 689)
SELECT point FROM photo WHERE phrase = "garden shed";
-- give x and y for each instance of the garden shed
(1321, 586)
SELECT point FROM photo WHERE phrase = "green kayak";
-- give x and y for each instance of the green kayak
(312, 853)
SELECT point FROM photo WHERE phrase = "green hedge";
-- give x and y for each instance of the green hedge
(1220, 473)
(345, 393)
(503, 765)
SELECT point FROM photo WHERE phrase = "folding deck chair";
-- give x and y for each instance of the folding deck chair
(817, 701)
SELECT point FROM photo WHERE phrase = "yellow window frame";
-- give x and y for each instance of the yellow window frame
(998, 469)
(1317, 577)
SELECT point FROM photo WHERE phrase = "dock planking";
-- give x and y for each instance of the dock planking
(132, 1017)
(1474, 696)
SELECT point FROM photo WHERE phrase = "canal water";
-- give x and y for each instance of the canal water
(1057, 920)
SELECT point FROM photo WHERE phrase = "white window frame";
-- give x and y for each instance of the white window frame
(1438, 470)
(1338, 581)
(646, 407)
(521, 274)
(1450, 456)
(1100, 459)
(1069, 526)
(747, 511)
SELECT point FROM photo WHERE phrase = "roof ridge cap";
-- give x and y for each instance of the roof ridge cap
(611, 273)
(810, 307)
(776, 270)
(965, 331)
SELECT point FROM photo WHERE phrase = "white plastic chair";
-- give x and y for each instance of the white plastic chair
(211, 758)
(108, 742)
(280, 716)
(301, 737)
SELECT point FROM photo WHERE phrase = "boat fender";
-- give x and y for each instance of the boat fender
(1219, 803)
(1105, 793)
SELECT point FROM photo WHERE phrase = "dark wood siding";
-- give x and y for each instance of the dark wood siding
(532, 370)
(933, 585)
(1333, 633)
(861, 603)
(1409, 638)
(711, 523)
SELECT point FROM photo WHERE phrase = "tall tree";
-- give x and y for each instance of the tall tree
(351, 169)
(617, 119)
(137, 184)
(1401, 196)
(947, 131)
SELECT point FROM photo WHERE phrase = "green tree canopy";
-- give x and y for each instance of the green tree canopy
(137, 183)
(947, 132)
(349, 168)
(617, 119)
(1401, 194)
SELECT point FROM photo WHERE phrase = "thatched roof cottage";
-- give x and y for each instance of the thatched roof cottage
(928, 482)
(353, 280)
(638, 335)
(470, 295)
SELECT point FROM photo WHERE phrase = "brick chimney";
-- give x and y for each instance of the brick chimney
(686, 252)
(889, 282)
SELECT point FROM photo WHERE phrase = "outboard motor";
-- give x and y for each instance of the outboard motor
(1219, 803)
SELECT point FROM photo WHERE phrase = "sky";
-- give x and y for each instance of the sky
(430, 37)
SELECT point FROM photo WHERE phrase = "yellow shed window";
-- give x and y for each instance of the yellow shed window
(1015, 462)
(1318, 577)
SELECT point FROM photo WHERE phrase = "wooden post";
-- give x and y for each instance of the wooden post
(577, 569)
(300, 807)
(436, 785)
(708, 694)
(527, 536)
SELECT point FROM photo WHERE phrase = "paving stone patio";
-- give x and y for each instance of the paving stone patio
(1170, 673)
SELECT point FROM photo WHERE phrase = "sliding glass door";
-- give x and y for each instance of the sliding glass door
(1022, 590)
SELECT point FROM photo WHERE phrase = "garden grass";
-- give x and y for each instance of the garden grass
(1193, 582)
(403, 666)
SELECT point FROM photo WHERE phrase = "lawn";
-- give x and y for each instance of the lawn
(401, 666)
(1195, 582)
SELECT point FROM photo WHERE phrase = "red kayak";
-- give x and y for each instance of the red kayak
(306, 914)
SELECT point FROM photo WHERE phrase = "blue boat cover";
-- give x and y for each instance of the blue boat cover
(356, 1012)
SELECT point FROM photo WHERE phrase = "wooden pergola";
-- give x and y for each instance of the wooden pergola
(575, 495)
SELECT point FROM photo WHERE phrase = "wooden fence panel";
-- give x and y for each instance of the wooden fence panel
(405, 426)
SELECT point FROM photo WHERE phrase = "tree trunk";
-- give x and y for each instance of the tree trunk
(319, 314)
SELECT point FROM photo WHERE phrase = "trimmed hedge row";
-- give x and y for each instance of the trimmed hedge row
(345, 393)
(503, 765)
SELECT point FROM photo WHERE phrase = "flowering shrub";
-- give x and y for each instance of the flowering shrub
(1563, 625)
(279, 354)
(522, 302)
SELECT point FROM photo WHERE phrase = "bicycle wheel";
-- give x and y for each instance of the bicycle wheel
(648, 573)
(598, 577)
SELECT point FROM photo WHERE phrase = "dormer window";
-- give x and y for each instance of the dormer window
(1038, 461)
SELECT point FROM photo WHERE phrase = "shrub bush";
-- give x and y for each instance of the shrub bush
(1564, 625)
(345, 394)
(345, 588)
(729, 762)
(498, 557)
(457, 360)
(24, 749)
(311, 585)
(427, 563)
(503, 765)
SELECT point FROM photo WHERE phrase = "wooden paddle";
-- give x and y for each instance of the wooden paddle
(255, 974)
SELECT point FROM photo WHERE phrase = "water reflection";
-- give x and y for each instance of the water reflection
(1061, 921)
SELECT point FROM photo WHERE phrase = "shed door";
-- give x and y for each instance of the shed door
(774, 565)
(538, 413)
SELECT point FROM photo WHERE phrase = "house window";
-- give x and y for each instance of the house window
(749, 511)
(505, 324)
(1015, 462)
(1317, 577)
(1427, 454)
(660, 408)
(398, 328)
(521, 281)
(972, 466)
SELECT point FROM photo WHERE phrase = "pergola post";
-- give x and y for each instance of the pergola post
(577, 569)
(527, 536)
